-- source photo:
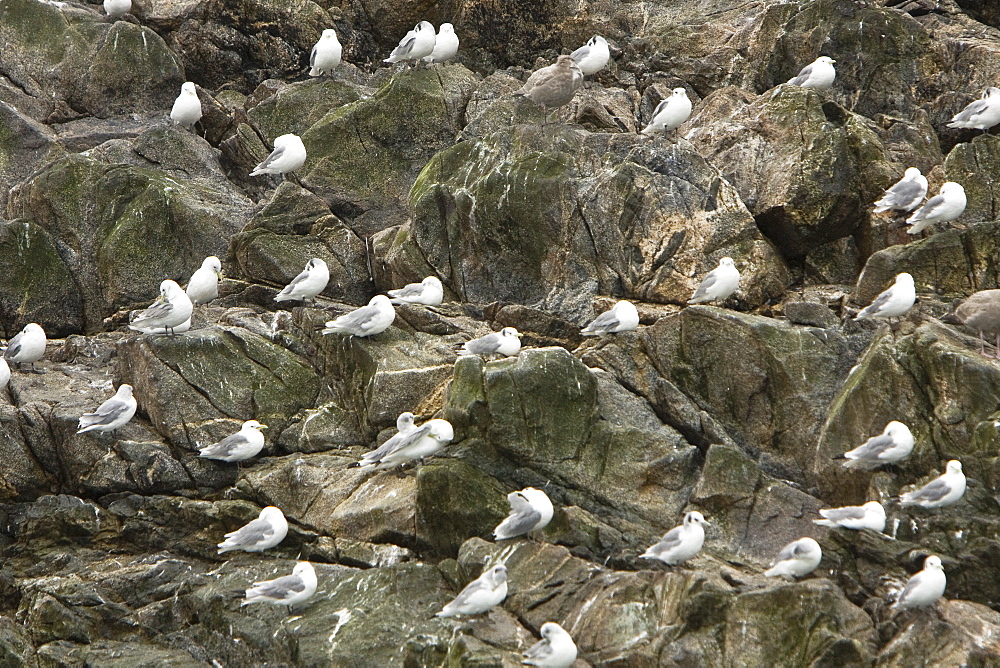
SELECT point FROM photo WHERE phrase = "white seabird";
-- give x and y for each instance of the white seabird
(982, 114)
(893, 444)
(112, 414)
(925, 587)
(680, 543)
(414, 443)
(445, 45)
(325, 54)
(242, 445)
(27, 347)
(892, 302)
(556, 649)
(944, 490)
(115, 9)
(869, 516)
(417, 44)
(946, 206)
(622, 317)
(310, 282)
(506, 342)
(818, 75)
(288, 155)
(170, 310)
(798, 558)
(187, 107)
(530, 510)
(906, 194)
(288, 590)
(269, 529)
(670, 113)
(428, 292)
(368, 320)
(204, 284)
(593, 56)
(486, 591)
(719, 285)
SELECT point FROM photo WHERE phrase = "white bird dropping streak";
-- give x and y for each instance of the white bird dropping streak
(944, 207)
(623, 317)
(892, 445)
(670, 113)
(187, 107)
(325, 54)
(243, 445)
(680, 543)
(719, 285)
(172, 309)
(818, 75)
(417, 44)
(869, 516)
(530, 510)
(556, 649)
(27, 347)
(982, 114)
(445, 45)
(288, 155)
(368, 320)
(593, 56)
(904, 195)
(486, 591)
(893, 302)
(288, 590)
(112, 414)
(204, 284)
(925, 587)
(798, 558)
(269, 529)
(944, 490)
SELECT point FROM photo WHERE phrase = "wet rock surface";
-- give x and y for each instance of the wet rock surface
(737, 409)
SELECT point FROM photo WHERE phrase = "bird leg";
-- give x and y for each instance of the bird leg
(982, 344)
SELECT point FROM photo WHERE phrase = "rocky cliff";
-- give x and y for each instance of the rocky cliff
(108, 541)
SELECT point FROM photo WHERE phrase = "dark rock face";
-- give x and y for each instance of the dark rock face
(738, 410)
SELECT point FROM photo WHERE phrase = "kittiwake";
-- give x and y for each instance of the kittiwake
(556, 649)
(906, 194)
(670, 113)
(982, 114)
(593, 56)
(680, 543)
(530, 510)
(269, 529)
(112, 414)
(187, 107)
(893, 444)
(798, 558)
(115, 9)
(244, 444)
(869, 516)
(310, 282)
(368, 320)
(288, 590)
(172, 308)
(944, 490)
(204, 284)
(414, 443)
(925, 587)
(486, 591)
(622, 317)
(288, 155)
(719, 285)
(325, 54)
(428, 292)
(818, 75)
(417, 44)
(445, 45)
(946, 206)
(893, 301)
(506, 342)
(27, 347)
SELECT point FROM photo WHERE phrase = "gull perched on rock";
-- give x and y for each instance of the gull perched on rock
(112, 414)
(187, 107)
(893, 444)
(719, 285)
(944, 490)
(553, 86)
(171, 309)
(925, 587)
(506, 342)
(27, 347)
(428, 292)
(818, 75)
(946, 206)
(288, 155)
(486, 591)
(894, 301)
(670, 113)
(556, 649)
(530, 510)
(622, 317)
(593, 56)
(906, 194)
(680, 543)
(310, 282)
(417, 44)
(288, 590)
(269, 529)
(115, 9)
(869, 516)
(979, 312)
(414, 443)
(244, 444)
(325, 54)
(445, 45)
(204, 284)
(404, 426)
(982, 114)
(798, 558)
(4, 373)
(368, 320)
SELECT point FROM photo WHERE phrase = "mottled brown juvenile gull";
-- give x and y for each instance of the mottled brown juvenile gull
(980, 312)
(555, 85)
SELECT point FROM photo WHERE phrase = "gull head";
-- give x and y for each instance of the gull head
(510, 331)
(954, 466)
(253, 424)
